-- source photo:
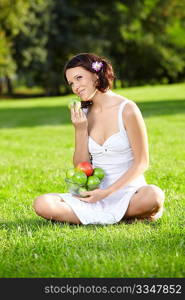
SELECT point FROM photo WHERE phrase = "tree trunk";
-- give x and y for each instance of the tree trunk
(1, 87)
(114, 84)
(9, 85)
(122, 83)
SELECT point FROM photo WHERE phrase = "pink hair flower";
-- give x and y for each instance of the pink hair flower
(97, 66)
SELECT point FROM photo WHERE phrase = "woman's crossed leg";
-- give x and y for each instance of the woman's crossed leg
(146, 203)
(52, 207)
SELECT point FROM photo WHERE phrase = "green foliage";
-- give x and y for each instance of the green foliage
(144, 39)
(7, 64)
(145, 50)
(12, 17)
(13, 13)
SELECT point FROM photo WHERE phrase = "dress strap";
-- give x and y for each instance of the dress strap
(120, 118)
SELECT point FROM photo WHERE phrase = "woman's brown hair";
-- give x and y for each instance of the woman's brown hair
(105, 74)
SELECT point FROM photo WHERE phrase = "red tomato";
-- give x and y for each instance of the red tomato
(86, 167)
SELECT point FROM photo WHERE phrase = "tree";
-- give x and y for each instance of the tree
(12, 18)
(141, 37)
(56, 30)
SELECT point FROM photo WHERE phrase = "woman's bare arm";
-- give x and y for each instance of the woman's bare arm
(81, 152)
(137, 135)
(80, 123)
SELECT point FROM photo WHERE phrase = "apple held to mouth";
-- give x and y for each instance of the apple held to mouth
(85, 167)
(73, 103)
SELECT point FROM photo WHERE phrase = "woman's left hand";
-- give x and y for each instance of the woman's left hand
(93, 196)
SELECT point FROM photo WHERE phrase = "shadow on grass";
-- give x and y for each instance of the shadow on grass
(34, 116)
(34, 224)
(162, 108)
(23, 96)
(59, 115)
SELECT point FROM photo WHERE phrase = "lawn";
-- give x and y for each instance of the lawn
(37, 144)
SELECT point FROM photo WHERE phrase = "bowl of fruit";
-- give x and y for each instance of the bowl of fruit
(83, 178)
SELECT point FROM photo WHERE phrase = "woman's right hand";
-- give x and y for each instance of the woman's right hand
(78, 118)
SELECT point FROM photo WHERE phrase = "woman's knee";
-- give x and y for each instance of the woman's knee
(157, 196)
(44, 206)
(147, 201)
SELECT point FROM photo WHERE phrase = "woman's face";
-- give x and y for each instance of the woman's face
(82, 82)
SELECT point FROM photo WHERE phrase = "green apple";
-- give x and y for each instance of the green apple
(73, 188)
(81, 190)
(99, 172)
(70, 173)
(93, 182)
(74, 103)
(79, 177)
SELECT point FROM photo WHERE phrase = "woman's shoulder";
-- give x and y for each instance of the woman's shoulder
(122, 99)
(131, 110)
(128, 104)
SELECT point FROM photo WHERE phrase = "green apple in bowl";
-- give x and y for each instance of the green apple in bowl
(93, 182)
(79, 178)
(70, 172)
(99, 172)
(81, 190)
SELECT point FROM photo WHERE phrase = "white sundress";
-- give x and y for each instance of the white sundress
(115, 157)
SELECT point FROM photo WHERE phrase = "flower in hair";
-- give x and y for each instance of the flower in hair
(97, 65)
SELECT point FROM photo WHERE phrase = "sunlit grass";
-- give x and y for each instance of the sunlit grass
(37, 143)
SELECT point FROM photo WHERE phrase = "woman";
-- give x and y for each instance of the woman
(111, 134)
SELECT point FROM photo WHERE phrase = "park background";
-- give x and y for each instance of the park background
(144, 40)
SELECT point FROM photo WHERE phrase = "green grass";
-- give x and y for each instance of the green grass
(37, 143)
